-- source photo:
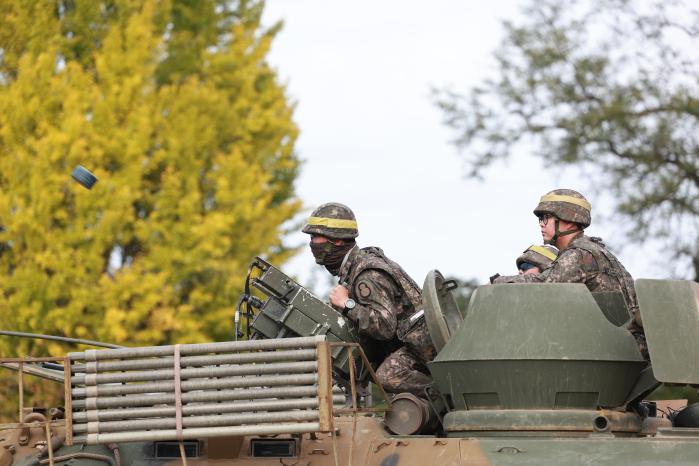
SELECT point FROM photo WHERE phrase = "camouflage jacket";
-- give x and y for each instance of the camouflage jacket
(384, 293)
(386, 297)
(587, 260)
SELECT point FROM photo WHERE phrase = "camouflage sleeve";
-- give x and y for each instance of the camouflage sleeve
(531, 278)
(571, 266)
(376, 309)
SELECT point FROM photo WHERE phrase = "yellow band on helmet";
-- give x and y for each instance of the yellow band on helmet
(543, 251)
(570, 199)
(332, 222)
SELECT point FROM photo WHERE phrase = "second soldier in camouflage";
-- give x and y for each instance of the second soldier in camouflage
(582, 259)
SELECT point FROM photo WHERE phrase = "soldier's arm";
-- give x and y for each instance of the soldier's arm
(530, 278)
(569, 267)
(375, 312)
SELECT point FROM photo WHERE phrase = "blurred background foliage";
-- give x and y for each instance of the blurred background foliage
(174, 108)
(609, 87)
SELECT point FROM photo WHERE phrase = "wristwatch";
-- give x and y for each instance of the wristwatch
(349, 304)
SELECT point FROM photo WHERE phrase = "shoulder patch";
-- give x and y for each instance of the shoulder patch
(363, 289)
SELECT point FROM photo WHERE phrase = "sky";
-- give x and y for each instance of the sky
(361, 74)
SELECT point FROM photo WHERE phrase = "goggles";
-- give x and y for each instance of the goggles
(524, 266)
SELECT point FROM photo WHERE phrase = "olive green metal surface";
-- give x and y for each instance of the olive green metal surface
(530, 422)
(291, 310)
(595, 451)
(537, 346)
(539, 321)
(441, 310)
(670, 314)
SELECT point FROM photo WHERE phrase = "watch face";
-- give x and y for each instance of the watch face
(349, 304)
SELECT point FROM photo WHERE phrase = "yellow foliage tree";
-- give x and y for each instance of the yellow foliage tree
(173, 107)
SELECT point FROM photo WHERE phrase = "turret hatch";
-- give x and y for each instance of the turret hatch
(670, 313)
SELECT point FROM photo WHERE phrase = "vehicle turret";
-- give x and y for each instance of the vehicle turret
(554, 359)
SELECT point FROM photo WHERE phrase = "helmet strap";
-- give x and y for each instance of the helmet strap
(558, 233)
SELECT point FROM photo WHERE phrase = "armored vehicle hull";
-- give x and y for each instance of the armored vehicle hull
(370, 445)
(532, 375)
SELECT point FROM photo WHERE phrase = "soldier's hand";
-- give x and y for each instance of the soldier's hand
(339, 296)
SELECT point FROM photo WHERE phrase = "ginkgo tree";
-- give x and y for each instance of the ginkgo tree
(174, 108)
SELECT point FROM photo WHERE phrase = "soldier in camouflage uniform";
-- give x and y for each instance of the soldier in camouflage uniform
(378, 296)
(563, 215)
(536, 258)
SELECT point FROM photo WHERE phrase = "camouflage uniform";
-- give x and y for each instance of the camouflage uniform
(392, 332)
(587, 260)
(584, 260)
(386, 300)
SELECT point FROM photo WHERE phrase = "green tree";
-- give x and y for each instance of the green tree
(606, 85)
(173, 106)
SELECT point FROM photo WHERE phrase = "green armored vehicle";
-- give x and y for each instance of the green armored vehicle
(532, 374)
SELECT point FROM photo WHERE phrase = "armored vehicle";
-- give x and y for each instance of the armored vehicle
(531, 374)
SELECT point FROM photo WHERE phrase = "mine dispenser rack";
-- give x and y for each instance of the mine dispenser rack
(194, 391)
(290, 310)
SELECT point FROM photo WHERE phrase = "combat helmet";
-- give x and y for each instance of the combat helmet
(539, 256)
(333, 220)
(566, 204)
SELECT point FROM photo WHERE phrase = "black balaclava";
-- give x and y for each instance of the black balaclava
(330, 254)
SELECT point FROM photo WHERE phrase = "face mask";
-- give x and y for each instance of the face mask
(330, 255)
